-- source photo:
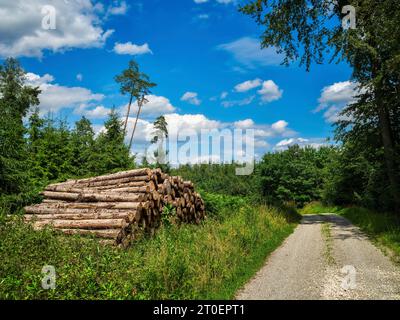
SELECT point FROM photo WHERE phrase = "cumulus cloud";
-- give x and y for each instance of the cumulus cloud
(336, 97)
(192, 98)
(188, 122)
(156, 106)
(270, 91)
(313, 143)
(55, 97)
(248, 85)
(244, 124)
(247, 51)
(97, 112)
(78, 25)
(193, 125)
(242, 102)
(118, 8)
(131, 48)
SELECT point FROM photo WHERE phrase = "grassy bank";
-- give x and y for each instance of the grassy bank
(382, 228)
(210, 261)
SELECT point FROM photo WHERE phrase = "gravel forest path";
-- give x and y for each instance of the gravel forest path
(325, 258)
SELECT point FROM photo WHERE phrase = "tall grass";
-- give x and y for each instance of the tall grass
(210, 261)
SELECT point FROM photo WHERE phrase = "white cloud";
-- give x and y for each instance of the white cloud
(335, 97)
(223, 95)
(192, 98)
(248, 85)
(118, 8)
(131, 48)
(55, 97)
(270, 91)
(78, 25)
(203, 16)
(243, 102)
(156, 105)
(280, 126)
(248, 52)
(218, 1)
(286, 143)
(98, 112)
(244, 124)
(190, 122)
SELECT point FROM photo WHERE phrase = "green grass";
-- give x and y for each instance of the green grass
(210, 261)
(327, 235)
(382, 228)
(318, 207)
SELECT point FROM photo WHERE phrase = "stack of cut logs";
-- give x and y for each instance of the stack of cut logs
(117, 207)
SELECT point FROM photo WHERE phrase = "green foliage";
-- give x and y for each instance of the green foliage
(110, 154)
(45, 150)
(15, 100)
(225, 255)
(370, 127)
(160, 134)
(357, 177)
(219, 178)
(168, 215)
(137, 85)
(317, 207)
(294, 175)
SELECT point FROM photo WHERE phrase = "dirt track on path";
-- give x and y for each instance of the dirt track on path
(325, 258)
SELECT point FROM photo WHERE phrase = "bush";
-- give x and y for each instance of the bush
(219, 178)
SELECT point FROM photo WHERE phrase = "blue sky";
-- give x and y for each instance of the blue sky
(197, 53)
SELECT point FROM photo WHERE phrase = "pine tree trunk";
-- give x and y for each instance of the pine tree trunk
(127, 114)
(134, 128)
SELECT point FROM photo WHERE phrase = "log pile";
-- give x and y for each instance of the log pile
(116, 207)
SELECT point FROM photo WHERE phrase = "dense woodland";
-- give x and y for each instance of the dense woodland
(38, 150)
(247, 216)
(362, 168)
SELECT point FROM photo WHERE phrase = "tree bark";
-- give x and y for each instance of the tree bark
(95, 197)
(389, 154)
(387, 139)
(128, 217)
(127, 114)
(99, 205)
(83, 224)
(107, 234)
(136, 121)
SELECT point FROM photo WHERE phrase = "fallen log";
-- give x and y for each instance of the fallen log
(108, 233)
(82, 224)
(93, 197)
(99, 205)
(128, 216)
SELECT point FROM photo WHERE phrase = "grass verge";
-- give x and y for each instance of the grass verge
(211, 261)
(326, 233)
(382, 228)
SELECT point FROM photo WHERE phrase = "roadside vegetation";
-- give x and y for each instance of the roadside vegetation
(210, 261)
